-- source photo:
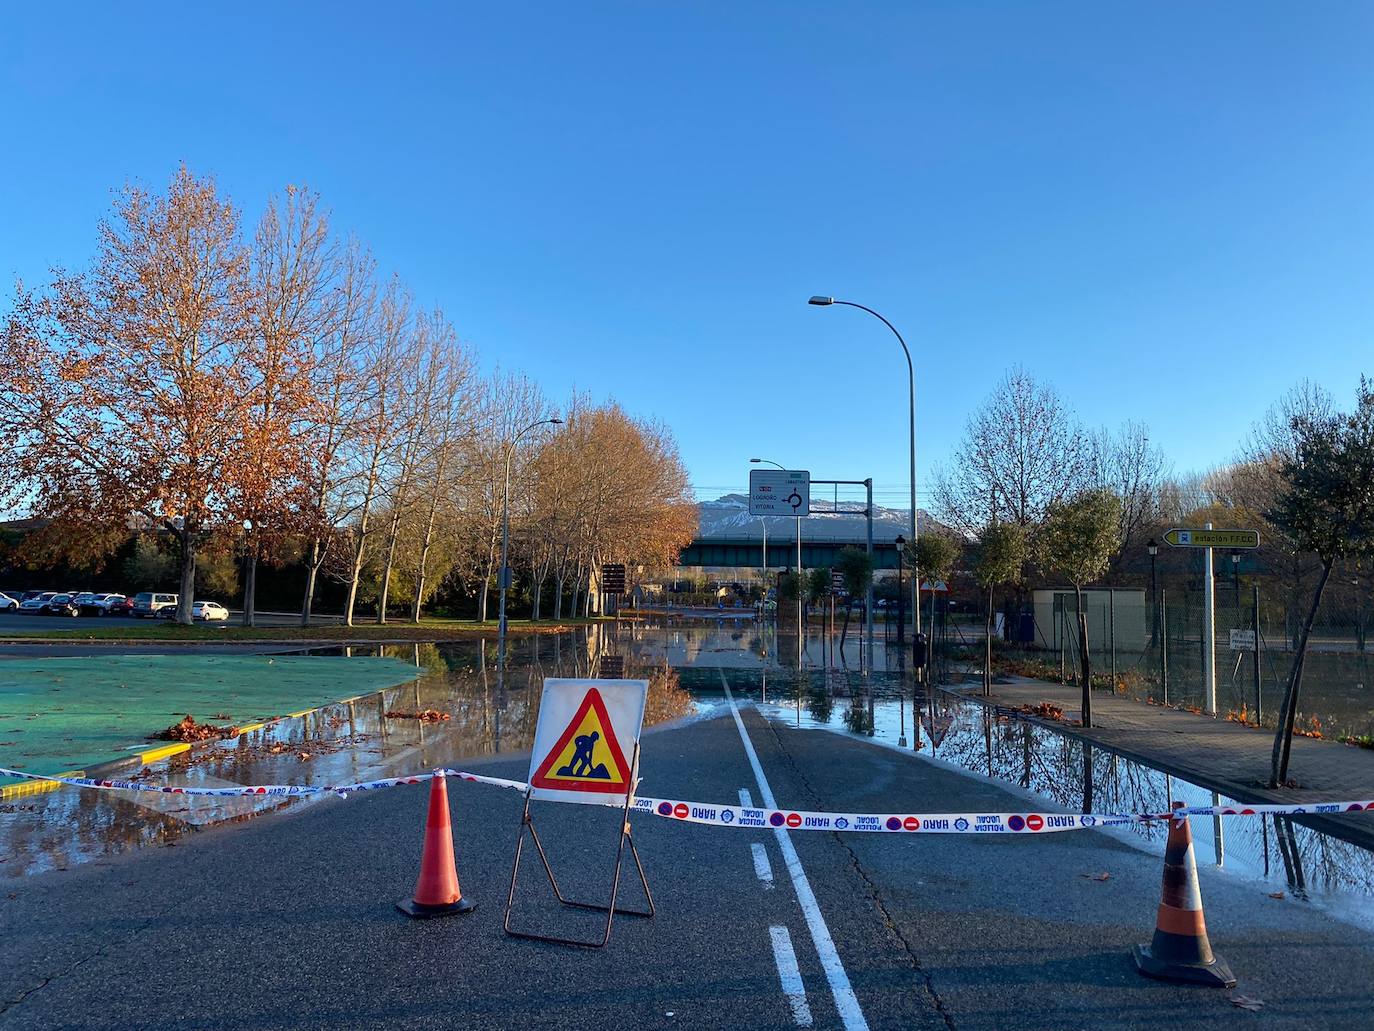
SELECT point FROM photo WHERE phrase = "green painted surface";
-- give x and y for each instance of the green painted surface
(69, 713)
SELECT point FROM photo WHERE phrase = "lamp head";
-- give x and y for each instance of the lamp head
(556, 421)
(900, 540)
(755, 461)
(1152, 547)
(822, 301)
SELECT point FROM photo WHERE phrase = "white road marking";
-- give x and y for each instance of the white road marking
(790, 975)
(762, 866)
(745, 799)
(846, 1002)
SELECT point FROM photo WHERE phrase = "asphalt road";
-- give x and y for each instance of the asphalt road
(15, 621)
(288, 921)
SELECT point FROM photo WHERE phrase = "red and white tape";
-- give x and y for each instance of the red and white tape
(710, 814)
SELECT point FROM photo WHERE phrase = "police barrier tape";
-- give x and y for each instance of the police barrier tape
(744, 816)
(266, 790)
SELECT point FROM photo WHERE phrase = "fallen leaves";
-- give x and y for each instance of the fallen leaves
(1045, 710)
(424, 716)
(1103, 876)
(1276, 895)
(189, 730)
(1245, 1002)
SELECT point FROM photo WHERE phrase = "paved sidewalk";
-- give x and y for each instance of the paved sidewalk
(1214, 753)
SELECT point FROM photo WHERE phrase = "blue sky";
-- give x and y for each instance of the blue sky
(1164, 209)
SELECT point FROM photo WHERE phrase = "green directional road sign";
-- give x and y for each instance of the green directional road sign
(1180, 538)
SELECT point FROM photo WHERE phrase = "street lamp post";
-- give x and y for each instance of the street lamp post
(800, 603)
(505, 547)
(911, 412)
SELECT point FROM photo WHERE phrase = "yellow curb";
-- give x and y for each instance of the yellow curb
(164, 752)
(250, 728)
(35, 787)
(297, 715)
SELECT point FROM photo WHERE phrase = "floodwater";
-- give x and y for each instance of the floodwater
(835, 691)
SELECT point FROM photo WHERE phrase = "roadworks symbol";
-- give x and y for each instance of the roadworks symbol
(587, 756)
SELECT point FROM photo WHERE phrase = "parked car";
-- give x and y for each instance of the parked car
(150, 603)
(110, 602)
(34, 601)
(121, 605)
(60, 605)
(30, 595)
(93, 603)
(8, 603)
(209, 610)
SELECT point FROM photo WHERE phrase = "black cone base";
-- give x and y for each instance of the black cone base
(1215, 974)
(412, 908)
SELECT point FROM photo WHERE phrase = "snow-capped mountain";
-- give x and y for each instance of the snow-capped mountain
(728, 518)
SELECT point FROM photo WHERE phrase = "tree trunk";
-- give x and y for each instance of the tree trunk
(187, 597)
(1288, 711)
(312, 571)
(1084, 665)
(534, 607)
(558, 596)
(844, 630)
(987, 651)
(250, 586)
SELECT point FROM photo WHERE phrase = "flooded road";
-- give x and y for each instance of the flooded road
(372, 737)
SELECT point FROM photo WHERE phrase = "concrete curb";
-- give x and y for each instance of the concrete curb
(1336, 827)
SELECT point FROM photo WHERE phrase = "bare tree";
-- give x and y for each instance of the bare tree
(377, 432)
(1127, 464)
(291, 264)
(1021, 452)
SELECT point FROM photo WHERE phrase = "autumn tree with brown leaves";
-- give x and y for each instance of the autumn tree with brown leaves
(126, 386)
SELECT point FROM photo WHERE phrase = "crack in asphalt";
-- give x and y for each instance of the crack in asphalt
(888, 920)
(18, 999)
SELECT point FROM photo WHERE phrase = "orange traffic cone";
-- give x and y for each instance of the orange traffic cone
(437, 892)
(1180, 950)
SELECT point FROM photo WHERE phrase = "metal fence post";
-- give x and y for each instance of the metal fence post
(1164, 644)
(1255, 626)
(1063, 633)
(1111, 623)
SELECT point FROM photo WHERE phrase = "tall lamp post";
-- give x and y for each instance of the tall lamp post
(800, 603)
(1152, 546)
(505, 546)
(911, 412)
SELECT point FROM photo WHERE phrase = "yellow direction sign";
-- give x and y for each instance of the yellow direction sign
(1180, 538)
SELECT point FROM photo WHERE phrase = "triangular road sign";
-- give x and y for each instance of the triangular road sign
(587, 756)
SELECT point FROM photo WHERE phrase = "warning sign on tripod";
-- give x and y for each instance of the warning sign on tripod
(585, 742)
(586, 749)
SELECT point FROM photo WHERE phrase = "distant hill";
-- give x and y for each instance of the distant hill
(728, 518)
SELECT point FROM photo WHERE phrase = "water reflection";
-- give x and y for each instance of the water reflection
(348, 741)
(1071, 775)
(355, 740)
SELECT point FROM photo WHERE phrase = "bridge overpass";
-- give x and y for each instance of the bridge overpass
(747, 552)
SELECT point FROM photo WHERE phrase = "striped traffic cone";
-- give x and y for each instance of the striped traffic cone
(437, 892)
(1180, 950)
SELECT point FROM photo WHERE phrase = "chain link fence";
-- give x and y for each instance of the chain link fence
(1153, 650)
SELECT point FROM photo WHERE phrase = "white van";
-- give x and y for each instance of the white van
(150, 604)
